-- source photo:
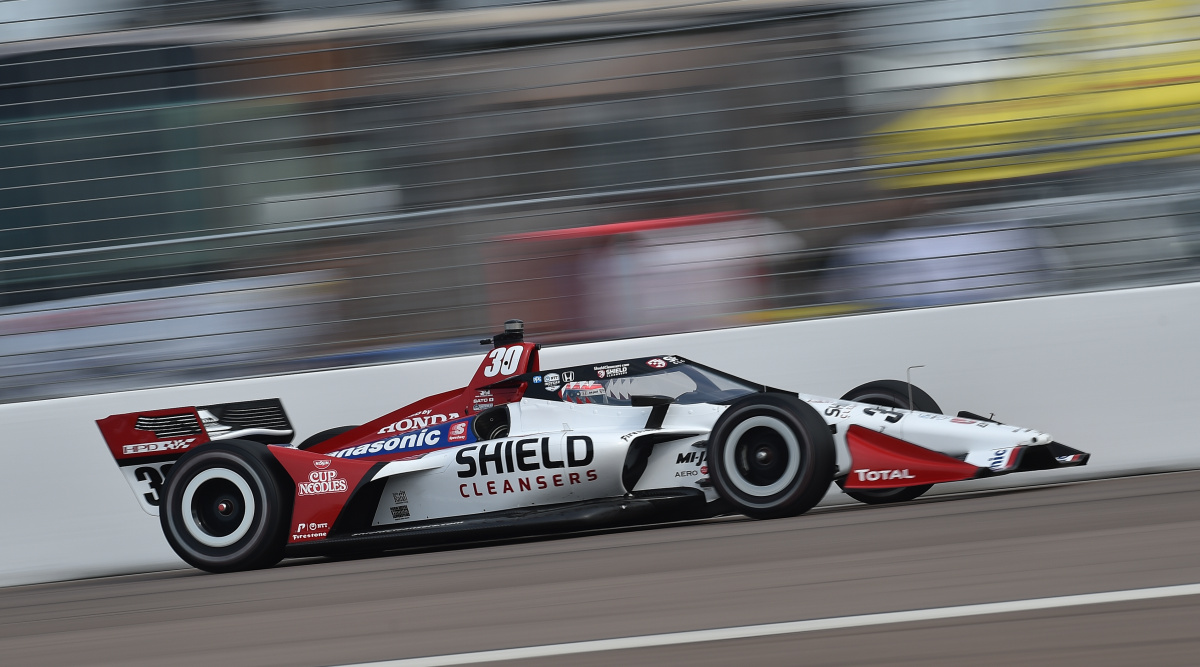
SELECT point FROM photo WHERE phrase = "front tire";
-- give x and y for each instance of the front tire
(226, 507)
(771, 456)
(893, 394)
(890, 394)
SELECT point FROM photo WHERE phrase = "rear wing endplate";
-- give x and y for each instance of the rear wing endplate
(146, 444)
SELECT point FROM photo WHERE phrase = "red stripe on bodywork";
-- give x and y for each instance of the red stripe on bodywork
(323, 486)
(880, 461)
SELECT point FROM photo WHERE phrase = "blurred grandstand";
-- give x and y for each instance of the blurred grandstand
(201, 189)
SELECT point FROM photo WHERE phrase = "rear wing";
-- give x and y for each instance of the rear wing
(146, 444)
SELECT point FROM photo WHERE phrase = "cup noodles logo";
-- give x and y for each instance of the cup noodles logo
(321, 481)
(151, 447)
(458, 432)
(322, 463)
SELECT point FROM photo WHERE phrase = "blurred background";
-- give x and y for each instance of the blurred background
(207, 189)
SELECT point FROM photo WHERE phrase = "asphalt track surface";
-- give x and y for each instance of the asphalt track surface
(1087, 537)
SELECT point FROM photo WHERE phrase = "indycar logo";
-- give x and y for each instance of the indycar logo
(321, 482)
(866, 475)
(150, 447)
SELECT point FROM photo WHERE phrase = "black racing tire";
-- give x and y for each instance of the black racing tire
(314, 440)
(226, 507)
(893, 394)
(771, 456)
(890, 394)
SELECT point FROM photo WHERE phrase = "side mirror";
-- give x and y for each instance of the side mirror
(658, 405)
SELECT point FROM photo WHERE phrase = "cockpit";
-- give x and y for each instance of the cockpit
(617, 383)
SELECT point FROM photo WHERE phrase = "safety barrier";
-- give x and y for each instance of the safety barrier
(1113, 373)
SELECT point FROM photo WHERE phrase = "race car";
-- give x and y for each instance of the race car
(521, 451)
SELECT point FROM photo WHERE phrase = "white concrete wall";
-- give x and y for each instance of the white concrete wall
(1112, 373)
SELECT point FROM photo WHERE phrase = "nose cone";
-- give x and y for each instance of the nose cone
(1041, 439)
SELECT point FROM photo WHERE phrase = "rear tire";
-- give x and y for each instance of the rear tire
(890, 394)
(771, 456)
(226, 507)
(314, 440)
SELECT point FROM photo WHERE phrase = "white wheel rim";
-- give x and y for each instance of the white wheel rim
(198, 532)
(793, 449)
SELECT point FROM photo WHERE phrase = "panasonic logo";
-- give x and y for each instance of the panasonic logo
(411, 441)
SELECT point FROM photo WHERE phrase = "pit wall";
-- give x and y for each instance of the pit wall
(1116, 374)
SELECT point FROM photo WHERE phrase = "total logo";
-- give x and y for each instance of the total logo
(163, 446)
(866, 475)
(321, 482)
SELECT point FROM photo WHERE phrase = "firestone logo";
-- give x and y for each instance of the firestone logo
(320, 482)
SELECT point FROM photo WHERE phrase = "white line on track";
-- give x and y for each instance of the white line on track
(792, 627)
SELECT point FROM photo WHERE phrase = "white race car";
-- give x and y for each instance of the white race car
(524, 451)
